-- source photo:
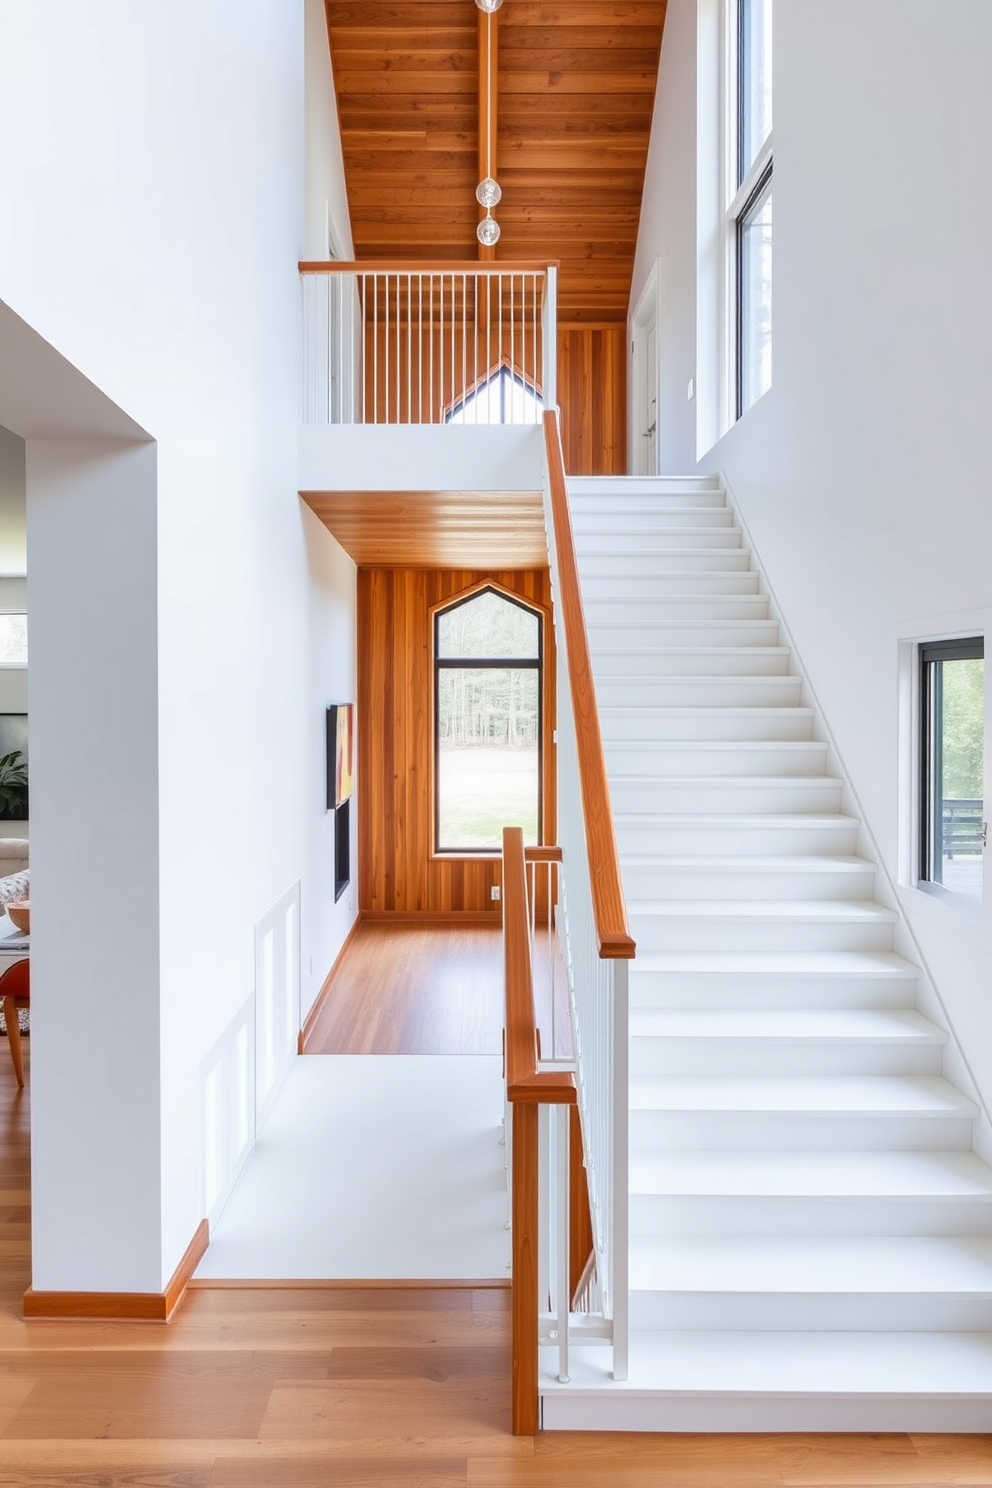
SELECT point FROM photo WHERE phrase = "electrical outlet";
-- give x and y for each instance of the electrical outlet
(690, 390)
(494, 892)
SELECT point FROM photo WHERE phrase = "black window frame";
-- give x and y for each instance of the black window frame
(931, 820)
(479, 663)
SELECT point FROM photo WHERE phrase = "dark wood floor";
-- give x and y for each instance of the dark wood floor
(302, 1387)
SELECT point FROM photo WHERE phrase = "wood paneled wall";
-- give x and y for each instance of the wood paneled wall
(592, 395)
(397, 871)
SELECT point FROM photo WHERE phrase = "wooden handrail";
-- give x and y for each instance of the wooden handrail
(543, 854)
(609, 909)
(465, 266)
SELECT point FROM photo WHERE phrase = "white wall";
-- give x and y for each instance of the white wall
(164, 142)
(326, 197)
(863, 474)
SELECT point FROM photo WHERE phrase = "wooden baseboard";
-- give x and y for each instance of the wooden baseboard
(130, 1307)
(433, 916)
(357, 1283)
(322, 996)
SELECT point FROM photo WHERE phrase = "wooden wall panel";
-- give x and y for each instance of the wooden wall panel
(592, 395)
(397, 873)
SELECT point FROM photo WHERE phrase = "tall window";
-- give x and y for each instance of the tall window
(750, 212)
(488, 650)
(952, 816)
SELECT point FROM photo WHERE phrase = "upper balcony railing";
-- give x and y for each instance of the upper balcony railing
(428, 343)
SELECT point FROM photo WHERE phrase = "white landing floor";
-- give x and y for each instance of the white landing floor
(377, 1166)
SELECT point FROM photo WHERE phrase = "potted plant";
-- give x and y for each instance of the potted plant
(13, 786)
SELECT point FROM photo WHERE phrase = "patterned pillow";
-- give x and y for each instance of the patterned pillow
(15, 886)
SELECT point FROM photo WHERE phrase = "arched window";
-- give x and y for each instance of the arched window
(504, 397)
(488, 653)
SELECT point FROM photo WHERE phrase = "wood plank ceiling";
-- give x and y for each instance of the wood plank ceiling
(576, 85)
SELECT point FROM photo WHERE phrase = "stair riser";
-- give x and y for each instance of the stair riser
(647, 487)
(599, 588)
(677, 692)
(633, 563)
(648, 635)
(651, 666)
(737, 1131)
(635, 503)
(716, 758)
(698, 933)
(770, 1411)
(728, 726)
(803, 796)
(714, 991)
(646, 837)
(747, 1057)
(691, 609)
(678, 1215)
(687, 883)
(677, 515)
(685, 534)
(811, 1312)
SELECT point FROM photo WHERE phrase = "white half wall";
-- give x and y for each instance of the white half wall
(863, 474)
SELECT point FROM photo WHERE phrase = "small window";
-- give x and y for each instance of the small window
(504, 397)
(952, 814)
(488, 650)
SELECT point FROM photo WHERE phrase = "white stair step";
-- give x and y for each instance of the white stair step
(769, 1381)
(760, 692)
(810, 1193)
(686, 662)
(676, 515)
(731, 724)
(660, 635)
(772, 979)
(818, 1112)
(609, 486)
(726, 794)
(681, 609)
(674, 832)
(599, 588)
(783, 1041)
(761, 924)
(670, 539)
(677, 877)
(633, 562)
(720, 757)
(749, 1281)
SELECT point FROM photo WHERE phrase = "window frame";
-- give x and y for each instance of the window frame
(748, 187)
(461, 663)
(960, 648)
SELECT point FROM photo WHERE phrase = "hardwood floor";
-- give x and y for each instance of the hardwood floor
(432, 989)
(304, 1386)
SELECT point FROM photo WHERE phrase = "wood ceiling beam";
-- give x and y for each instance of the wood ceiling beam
(488, 108)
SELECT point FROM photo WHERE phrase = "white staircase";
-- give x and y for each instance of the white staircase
(811, 1233)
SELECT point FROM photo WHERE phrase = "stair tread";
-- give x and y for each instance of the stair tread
(753, 863)
(710, 710)
(944, 1364)
(840, 1095)
(840, 1025)
(883, 964)
(812, 1174)
(774, 819)
(824, 910)
(759, 1263)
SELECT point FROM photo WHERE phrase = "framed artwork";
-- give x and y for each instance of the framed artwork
(340, 754)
